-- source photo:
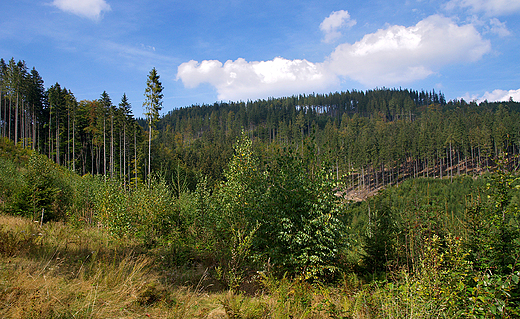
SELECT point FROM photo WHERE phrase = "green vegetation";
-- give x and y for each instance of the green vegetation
(377, 204)
(271, 241)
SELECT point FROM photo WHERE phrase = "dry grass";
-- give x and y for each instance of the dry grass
(57, 271)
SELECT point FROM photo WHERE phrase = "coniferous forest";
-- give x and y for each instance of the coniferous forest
(385, 203)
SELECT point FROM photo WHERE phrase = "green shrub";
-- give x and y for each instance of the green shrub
(302, 232)
(46, 191)
(289, 215)
(11, 182)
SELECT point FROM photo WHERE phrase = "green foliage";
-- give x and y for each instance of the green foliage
(293, 215)
(11, 180)
(494, 242)
(85, 190)
(235, 209)
(111, 207)
(239, 198)
(301, 232)
(147, 213)
(46, 191)
(397, 222)
(153, 97)
(459, 263)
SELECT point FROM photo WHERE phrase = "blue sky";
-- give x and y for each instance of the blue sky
(207, 51)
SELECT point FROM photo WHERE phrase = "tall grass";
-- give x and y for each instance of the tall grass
(56, 272)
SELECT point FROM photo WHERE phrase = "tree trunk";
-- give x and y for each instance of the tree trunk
(112, 145)
(50, 132)
(57, 139)
(104, 147)
(74, 141)
(124, 152)
(135, 157)
(16, 120)
(451, 164)
(68, 138)
(149, 147)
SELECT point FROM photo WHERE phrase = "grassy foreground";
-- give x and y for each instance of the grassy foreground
(60, 271)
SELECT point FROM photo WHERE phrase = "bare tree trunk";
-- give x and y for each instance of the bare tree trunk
(57, 139)
(50, 133)
(120, 159)
(74, 141)
(451, 164)
(16, 120)
(9, 116)
(124, 152)
(149, 148)
(34, 123)
(104, 148)
(68, 137)
(135, 156)
(111, 145)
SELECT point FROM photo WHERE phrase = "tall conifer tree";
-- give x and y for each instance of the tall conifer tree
(153, 104)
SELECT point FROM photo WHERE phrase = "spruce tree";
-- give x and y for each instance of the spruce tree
(153, 104)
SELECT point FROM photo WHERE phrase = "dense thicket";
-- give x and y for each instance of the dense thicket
(430, 247)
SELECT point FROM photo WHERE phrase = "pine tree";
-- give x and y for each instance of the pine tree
(36, 96)
(126, 111)
(106, 105)
(153, 104)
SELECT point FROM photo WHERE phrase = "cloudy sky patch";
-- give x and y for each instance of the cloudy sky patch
(399, 54)
(332, 25)
(91, 9)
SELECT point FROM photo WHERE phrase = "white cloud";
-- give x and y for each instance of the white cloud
(242, 80)
(392, 56)
(91, 9)
(335, 21)
(401, 54)
(488, 7)
(498, 95)
(498, 27)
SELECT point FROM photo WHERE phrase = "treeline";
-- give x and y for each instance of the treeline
(88, 136)
(369, 138)
(376, 138)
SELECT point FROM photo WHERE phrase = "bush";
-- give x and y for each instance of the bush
(46, 191)
(301, 233)
(11, 182)
(287, 216)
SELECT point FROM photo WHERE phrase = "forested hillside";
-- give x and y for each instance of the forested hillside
(374, 138)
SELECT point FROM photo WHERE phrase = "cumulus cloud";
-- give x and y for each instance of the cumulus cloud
(488, 7)
(392, 56)
(499, 96)
(333, 23)
(90, 9)
(242, 80)
(401, 54)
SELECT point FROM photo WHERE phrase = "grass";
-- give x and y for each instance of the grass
(60, 271)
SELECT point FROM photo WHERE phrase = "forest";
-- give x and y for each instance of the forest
(385, 203)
